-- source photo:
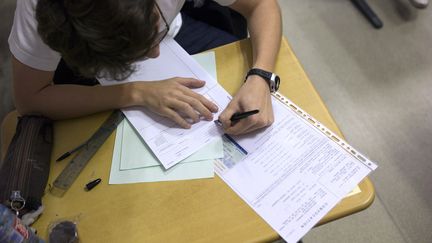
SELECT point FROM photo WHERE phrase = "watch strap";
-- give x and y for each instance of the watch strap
(271, 78)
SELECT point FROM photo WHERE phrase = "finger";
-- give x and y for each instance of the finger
(246, 125)
(191, 82)
(225, 116)
(252, 129)
(199, 107)
(174, 116)
(202, 99)
(239, 128)
(186, 109)
(249, 124)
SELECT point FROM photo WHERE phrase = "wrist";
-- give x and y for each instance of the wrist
(133, 95)
(270, 78)
(263, 66)
(256, 81)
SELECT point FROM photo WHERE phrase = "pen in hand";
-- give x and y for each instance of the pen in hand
(238, 116)
(241, 115)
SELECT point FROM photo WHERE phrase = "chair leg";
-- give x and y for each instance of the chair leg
(420, 3)
(364, 8)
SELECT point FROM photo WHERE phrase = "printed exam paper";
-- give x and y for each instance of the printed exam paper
(294, 175)
(170, 143)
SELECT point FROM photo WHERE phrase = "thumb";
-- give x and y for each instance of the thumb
(191, 82)
(225, 116)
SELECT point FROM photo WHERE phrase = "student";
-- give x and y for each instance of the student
(109, 35)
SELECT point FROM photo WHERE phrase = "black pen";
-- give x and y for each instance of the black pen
(241, 115)
(238, 116)
(67, 154)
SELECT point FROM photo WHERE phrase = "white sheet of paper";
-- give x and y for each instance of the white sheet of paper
(136, 154)
(182, 171)
(170, 143)
(294, 175)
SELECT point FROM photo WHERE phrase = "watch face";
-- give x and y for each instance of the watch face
(277, 83)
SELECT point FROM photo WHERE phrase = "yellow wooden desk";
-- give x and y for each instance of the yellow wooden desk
(184, 211)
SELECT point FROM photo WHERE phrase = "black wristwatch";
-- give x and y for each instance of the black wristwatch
(272, 79)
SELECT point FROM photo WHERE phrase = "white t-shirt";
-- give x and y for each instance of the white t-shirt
(27, 46)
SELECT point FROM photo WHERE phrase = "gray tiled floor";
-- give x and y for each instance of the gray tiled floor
(377, 85)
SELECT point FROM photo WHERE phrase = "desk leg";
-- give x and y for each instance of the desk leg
(364, 8)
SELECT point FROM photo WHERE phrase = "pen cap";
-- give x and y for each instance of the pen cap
(92, 184)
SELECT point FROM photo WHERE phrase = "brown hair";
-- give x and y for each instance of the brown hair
(98, 35)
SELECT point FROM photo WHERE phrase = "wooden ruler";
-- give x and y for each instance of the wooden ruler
(69, 174)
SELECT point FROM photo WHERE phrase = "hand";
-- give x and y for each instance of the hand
(174, 99)
(254, 94)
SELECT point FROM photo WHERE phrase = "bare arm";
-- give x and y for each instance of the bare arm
(265, 28)
(35, 94)
(264, 24)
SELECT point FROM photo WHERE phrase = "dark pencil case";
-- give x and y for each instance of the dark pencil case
(27, 163)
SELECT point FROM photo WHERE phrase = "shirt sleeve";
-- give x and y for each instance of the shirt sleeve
(24, 40)
(225, 2)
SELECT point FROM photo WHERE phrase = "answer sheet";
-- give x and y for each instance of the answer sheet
(170, 143)
(291, 173)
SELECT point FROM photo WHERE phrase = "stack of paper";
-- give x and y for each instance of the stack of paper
(169, 142)
(134, 162)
